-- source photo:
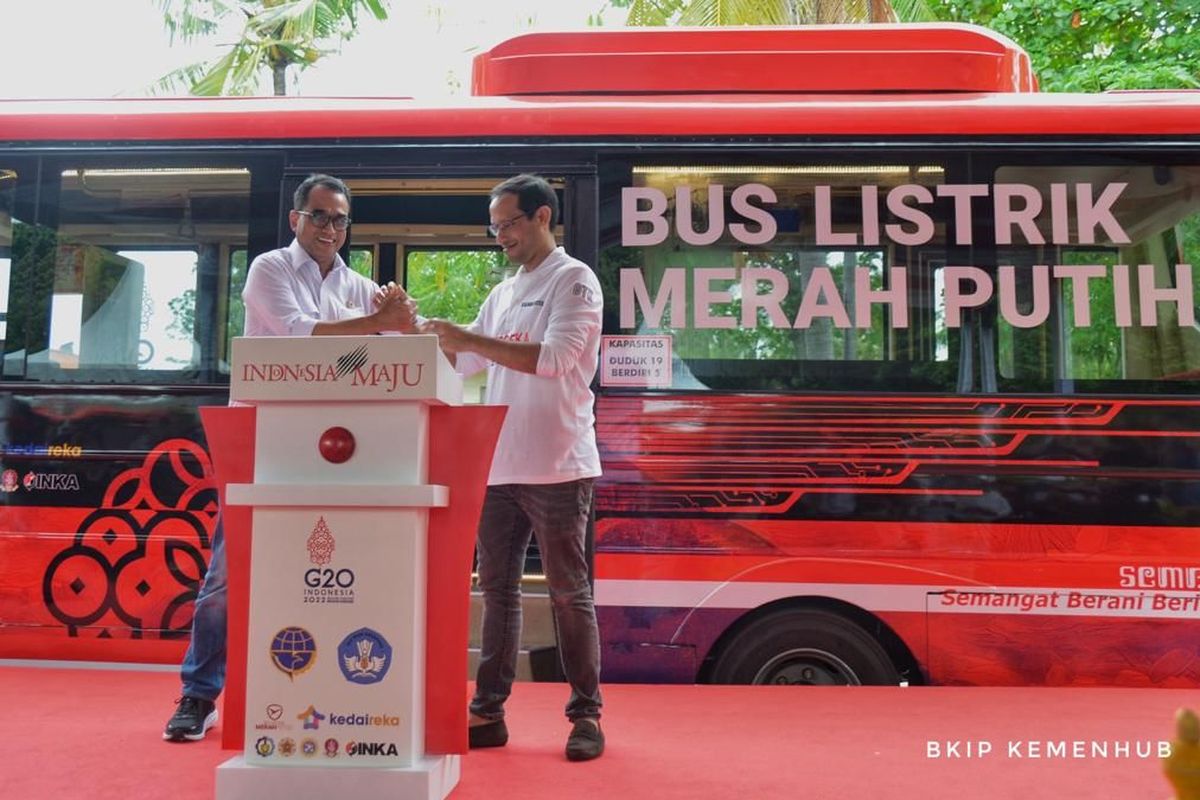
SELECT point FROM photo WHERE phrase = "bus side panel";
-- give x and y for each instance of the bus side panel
(713, 506)
(108, 512)
(997, 650)
(642, 644)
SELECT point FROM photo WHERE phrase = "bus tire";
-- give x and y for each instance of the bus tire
(805, 647)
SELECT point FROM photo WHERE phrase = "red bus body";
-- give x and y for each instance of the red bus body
(900, 529)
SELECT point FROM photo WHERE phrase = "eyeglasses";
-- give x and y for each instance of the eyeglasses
(322, 219)
(497, 228)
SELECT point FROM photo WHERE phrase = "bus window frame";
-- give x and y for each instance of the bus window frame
(25, 210)
(986, 164)
(615, 170)
(42, 198)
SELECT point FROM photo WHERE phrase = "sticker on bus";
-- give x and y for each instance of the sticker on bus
(641, 361)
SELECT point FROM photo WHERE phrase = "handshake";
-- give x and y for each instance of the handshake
(396, 311)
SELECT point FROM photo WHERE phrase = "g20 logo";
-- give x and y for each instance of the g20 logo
(326, 578)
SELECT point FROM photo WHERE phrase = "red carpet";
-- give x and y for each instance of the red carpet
(95, 735)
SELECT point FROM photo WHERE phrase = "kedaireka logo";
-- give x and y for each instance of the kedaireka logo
(52, 450)
(364, 720)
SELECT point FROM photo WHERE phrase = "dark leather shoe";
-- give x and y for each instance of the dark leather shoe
(586, 740)
(491, 734)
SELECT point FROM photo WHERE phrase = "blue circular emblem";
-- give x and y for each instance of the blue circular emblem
(364, 656)
(293, 651)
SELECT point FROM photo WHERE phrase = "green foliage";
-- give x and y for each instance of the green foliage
(1095, 46)
(236, 318)
(277, 34)
(362, 261)
(183, 308)
(764, 12)
(1074, 46)
(34, 253)
(452, 284)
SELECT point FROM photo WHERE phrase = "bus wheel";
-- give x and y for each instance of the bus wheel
(804, 648)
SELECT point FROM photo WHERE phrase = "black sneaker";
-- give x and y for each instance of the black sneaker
(191, 720)
(490, 734)
(586, 740)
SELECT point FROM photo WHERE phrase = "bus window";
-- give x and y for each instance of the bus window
(1113, 314)
(362, 261)
(452, 283)
(235, 322)
(8, 182)
(764, 277)
(142, 275)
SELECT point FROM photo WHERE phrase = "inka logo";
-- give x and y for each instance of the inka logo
(371, 749)
(311, 718)
(52, 481)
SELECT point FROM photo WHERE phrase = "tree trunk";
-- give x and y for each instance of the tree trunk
(279, 76)
(882, 11)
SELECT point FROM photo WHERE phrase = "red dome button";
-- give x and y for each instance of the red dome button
(336, 445)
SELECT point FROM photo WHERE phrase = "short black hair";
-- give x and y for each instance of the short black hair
(300, 198)
(532, 193)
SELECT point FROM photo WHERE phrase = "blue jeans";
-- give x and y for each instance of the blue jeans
(557, 515)
(203, 669)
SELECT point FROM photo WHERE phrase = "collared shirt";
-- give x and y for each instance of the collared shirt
(286, 296)
(549, 432)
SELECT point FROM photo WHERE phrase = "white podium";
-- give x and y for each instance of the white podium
(337, 630)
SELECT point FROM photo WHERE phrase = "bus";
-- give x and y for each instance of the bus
(900, 373)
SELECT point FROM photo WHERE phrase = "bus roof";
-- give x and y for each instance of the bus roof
(803, 59)
(861, 81)
(475, 119)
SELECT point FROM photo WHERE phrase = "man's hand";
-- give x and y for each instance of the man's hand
(394, 309)
(453, 338)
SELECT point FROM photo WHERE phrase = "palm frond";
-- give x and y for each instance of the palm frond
(275, 34)
(914, 10)
(178, 81)
(186, 20)
(735, 12)
(214, 81)
(652, 13)
(377, 8)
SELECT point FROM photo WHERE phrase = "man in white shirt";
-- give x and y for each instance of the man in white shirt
(538, 336)
(299, 290)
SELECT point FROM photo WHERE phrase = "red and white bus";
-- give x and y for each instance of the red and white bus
(900, 378)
